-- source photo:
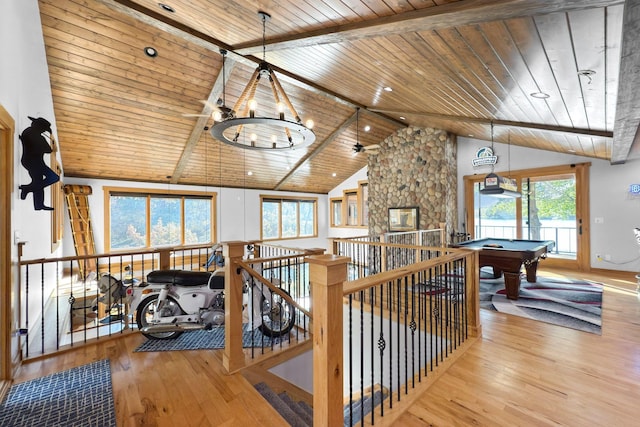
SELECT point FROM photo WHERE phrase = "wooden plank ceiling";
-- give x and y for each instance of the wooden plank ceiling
(455, 65)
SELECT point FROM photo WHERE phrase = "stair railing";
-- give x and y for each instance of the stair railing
(389, 330)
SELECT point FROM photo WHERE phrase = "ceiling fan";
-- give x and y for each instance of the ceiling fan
(359, 148)
(369, 149)
(219, 111)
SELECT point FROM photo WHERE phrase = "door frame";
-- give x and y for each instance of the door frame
(8, 287)
(581, 172)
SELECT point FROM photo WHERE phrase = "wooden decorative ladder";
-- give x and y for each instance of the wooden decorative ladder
(81, 229)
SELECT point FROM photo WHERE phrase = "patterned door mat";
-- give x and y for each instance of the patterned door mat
(81, 396)
(206, 340)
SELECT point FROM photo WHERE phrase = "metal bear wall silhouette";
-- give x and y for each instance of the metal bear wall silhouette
(34, 147)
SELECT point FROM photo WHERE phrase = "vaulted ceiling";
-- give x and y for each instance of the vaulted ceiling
(455, 65)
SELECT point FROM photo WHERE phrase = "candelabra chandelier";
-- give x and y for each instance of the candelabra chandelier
(240, 126)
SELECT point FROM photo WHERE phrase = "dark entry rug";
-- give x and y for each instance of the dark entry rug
(567, 302)
(80, 397)
(206, 340)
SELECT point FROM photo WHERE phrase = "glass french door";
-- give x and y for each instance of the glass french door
(553, 206)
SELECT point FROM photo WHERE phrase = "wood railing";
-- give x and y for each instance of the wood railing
(61, 305)
(388, 331)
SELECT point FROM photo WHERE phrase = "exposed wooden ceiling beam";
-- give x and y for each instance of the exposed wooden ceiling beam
(626, 127)
(317, 150)
(203, 121)
(447, 15)
(157, 20)
(508, 123)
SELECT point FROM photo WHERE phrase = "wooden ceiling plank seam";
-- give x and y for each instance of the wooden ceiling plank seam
(433, 18)
(106, 87)
(132, 101)
(526, 36)
(496, 75)
(103, 29)
(125, 61)
(555, 35)
(590, 46)
(514, 63)
(460, 55)
(115, 114)
(459, 84)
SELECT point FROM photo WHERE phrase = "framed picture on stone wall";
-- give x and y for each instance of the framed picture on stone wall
(403, 219)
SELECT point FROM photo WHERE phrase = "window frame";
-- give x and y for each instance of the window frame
(335, 211)
(148, 193)
(361, 196)
(280, 199)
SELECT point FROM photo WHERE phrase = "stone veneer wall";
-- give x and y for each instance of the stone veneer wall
(414, 167)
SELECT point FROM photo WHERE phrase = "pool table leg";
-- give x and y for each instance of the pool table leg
(532, 269)
(512, 284)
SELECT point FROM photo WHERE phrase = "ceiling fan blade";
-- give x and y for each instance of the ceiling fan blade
(209, 104)
(372, 147)
(195, 115)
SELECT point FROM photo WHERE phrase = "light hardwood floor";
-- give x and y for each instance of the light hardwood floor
(528, 373)
(521, 373)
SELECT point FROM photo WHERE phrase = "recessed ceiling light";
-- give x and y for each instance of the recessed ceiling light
(471, 135)
(403, 118)
(387, 89)
(334, 174)
(151, 52)
(367, 128)
(166, 7)
(249, 173)
(539, 95)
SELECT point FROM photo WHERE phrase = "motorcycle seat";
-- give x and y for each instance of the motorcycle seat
(179, 277)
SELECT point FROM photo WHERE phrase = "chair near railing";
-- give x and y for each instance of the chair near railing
(395, 328)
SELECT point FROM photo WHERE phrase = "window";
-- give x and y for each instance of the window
(352, 209)
(351, 200)
(364, 202)
(137, 219)
(284, 218)
(336, 212)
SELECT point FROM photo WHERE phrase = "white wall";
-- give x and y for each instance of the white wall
(238, 216)
(608, 194)
(25, 91)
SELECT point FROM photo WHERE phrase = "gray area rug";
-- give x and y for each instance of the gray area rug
(81, 396)
(206, 340)
(567, 302)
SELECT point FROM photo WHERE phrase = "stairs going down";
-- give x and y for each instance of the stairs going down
(300, 414)
(297, 414)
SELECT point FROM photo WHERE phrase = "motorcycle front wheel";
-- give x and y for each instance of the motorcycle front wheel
(145, 312)
(278, 316)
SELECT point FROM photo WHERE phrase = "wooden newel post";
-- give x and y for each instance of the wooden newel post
(165, 259)
(233, 357)
(326, 273)
(473, 294)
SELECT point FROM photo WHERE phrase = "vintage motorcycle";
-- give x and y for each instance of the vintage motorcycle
(171, 302)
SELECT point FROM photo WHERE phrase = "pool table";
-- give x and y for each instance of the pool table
(507, 256)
